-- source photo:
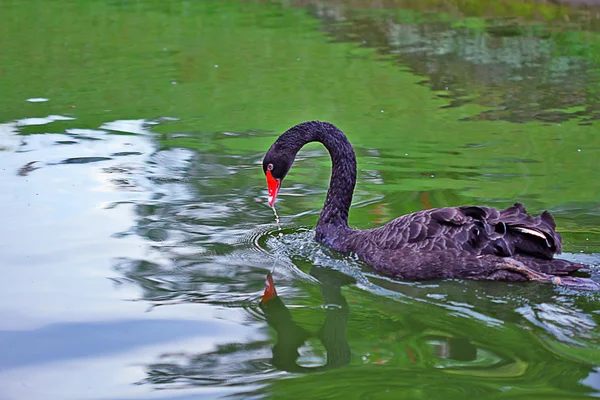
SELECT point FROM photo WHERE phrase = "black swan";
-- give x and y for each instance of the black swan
(468, 242)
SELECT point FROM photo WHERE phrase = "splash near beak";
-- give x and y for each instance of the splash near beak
(273, 184)
(270, 291)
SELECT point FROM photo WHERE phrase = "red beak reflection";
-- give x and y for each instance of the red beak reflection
(270, 291)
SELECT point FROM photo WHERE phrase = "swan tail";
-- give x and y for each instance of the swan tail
(512, 232)
(527, 235)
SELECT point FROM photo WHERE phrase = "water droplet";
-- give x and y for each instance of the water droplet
(364, 358)
(406, 154)
(579, 150)
(173, 83)
(216, 65)
(381, 110)
(432, 175)
(446, 87)
(298, 59)
(277, 219)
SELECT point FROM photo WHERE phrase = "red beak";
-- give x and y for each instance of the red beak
(273, 184)
(270, 291)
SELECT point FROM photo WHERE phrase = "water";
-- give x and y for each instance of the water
(136, 236)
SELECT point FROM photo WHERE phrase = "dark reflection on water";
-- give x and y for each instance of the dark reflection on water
(241, 363)
(332, 335)
(518, 70)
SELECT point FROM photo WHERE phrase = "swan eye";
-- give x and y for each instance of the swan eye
(270, 167)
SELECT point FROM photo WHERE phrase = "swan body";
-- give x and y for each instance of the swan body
(468, 242)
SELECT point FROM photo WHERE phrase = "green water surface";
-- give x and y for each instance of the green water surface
(135, 248)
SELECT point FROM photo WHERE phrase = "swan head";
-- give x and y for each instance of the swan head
(276, 165)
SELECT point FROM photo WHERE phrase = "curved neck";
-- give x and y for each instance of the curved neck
(343, 177)
(343, 171)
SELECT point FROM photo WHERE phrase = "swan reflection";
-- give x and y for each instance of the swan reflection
(291, 336)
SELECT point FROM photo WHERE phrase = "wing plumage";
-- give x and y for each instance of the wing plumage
(467, 231)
